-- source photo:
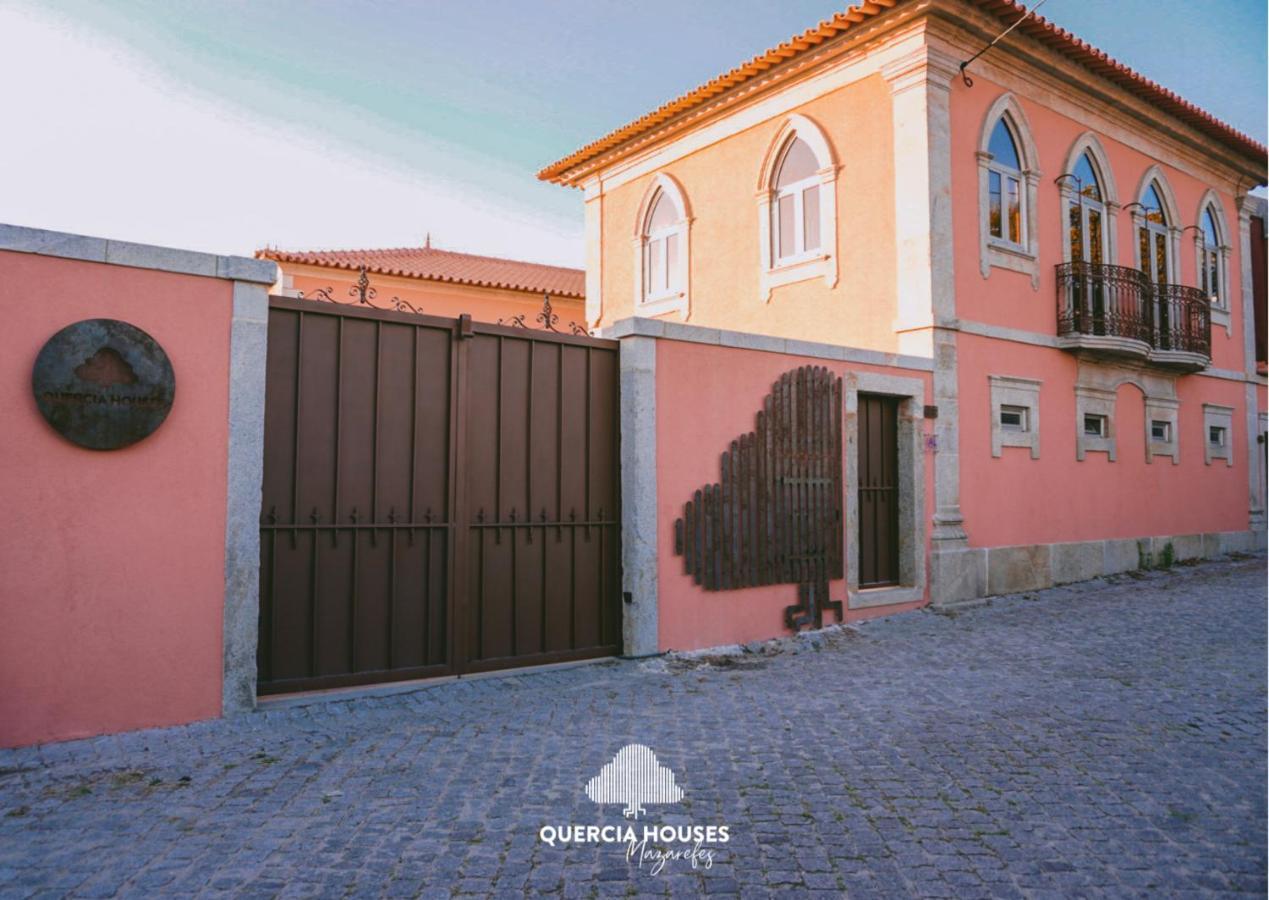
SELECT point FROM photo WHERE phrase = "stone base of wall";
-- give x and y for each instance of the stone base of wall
(962, 575)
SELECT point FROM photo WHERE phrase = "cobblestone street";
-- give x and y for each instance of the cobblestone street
(1106, 738)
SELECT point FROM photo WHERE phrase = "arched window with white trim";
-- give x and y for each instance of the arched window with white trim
(1090, 203)
(1210, 259)
(661, 249)
(1004, 186)
(1087, 214)
(1007, 179)
(1211, 255)
(662, 245)
(1153, 236)
(796, 228)
(797, 207)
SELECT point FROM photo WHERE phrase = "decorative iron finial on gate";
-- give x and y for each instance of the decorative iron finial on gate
(547, 316)
(362, 289)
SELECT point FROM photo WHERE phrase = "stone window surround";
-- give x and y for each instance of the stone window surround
(1218, 416)
(1096, 391)
(911, 447)
(681, 302)
(770, 274)
(1007, 390)
(1162, 409)
(994, 253)
(1220, 311)
(1088, 143)
(1091, 401)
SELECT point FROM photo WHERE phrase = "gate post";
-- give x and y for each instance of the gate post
(248, 339)
(639, 526)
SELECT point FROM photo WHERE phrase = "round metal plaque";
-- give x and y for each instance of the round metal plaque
(103, 384)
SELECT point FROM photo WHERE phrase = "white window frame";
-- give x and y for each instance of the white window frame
(797, 192)
(822, 263)
(1220, 310)
(1002, 253)
(1023, 414)
(1088, 143)
(649, 302)
(1171, 231)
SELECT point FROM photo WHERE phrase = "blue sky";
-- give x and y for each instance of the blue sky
(227, 124)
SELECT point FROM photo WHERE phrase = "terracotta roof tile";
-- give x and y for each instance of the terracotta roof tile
(445, 265)
(1008, 11)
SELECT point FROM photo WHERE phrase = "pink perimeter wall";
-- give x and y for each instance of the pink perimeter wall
(707, 396)
(1015, 499)
(113, 561)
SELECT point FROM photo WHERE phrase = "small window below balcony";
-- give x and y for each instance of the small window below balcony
(1161, 431)
(1014, 418)
(1218, 424)
(1095, 426)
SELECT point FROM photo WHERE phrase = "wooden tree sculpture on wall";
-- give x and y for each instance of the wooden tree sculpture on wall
(776, 515)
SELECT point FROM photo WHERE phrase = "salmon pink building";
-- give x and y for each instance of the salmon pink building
(873, 321)
(1033, 274)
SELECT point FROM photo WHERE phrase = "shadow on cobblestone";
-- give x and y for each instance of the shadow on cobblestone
(1097, 738)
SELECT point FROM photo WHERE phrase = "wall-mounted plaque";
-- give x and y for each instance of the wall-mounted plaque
(103, 384)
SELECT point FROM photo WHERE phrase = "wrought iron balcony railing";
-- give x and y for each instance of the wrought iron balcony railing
(1183, 319)
(1117, 311)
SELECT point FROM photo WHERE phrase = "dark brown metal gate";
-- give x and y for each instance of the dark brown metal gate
(440, 497)
(878, 490)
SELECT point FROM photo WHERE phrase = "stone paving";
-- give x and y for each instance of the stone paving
(1099, 739)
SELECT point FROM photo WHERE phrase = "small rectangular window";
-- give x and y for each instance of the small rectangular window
(1216, 435)
(1095, 426)
(1161, 431)
(1014, 418)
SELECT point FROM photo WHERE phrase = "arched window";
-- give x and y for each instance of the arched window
(1209, 262)
(1087, 214)
(796, 228)
(1212, 253)
(1007, 177)
(1004, 185)
(1153, 236)
(797, 207)
(661, 249)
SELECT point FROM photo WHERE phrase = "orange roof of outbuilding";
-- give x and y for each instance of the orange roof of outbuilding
(1037, 27)
(445, 265)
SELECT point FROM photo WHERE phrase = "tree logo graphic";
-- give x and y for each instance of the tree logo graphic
(634, 777)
